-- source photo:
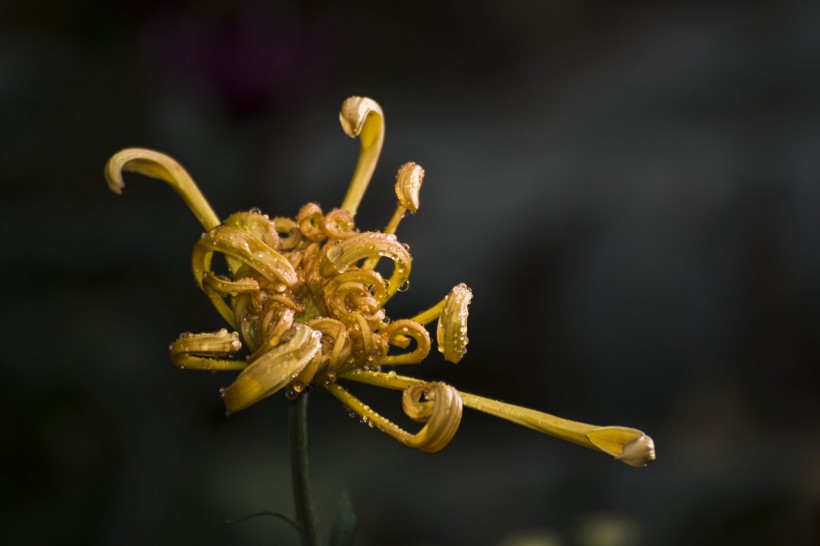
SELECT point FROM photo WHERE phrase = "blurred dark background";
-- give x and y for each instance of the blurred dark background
(631, 191)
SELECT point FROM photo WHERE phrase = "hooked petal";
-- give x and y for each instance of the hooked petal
(162, 167)
(338, 256)
(362, 117)
(273, 369)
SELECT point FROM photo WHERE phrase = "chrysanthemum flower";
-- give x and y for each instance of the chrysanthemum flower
(305, 296)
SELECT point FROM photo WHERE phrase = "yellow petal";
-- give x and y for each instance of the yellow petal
(362, 117)
(245, 247)
(162, 167)
(338, 256)
(436, 404)
(627, 445)
(451, 332)
(273, 369)
(202, 351)
(408, 184)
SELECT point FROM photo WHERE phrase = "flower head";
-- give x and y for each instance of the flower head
(307, 296)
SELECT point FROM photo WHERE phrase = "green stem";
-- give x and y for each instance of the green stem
(300, 472)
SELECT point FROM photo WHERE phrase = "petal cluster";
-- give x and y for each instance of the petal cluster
(307, 295)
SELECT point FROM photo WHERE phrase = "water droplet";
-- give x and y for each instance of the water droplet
(255, 210)
(291, 393)
(406, 247)
(405, 286)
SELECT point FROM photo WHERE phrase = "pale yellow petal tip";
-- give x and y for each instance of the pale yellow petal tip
(627, 445)
(639, 452)
(354, 113)
(138, 160)
(451, 332)
(408, 184)
(113, 170)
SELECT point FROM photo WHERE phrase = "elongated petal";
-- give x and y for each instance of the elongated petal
(451, 333)
(162, 167)
(362, 117)
(258, 224)
(273, 369)
(628, 445)
(203, 351)
(340, 255)
(245, 247)
(436, 404)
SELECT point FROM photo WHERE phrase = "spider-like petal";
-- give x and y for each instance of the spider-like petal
(244, 246)
(273, 369)
(628, 445)
(203, 351)
(162, 167)
(436, 404)
(338, 256)
(408, 184)
(451, 332)
(362, 117)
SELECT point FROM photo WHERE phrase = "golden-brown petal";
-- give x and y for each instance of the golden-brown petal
(362, 117)
(288, 231)
(161, 167)
(627, 445)
(256, 223)
(338, 224)
(451, 332)
(245, 247)
(340, 255)
(202, 351)
(273, 370)
(309, 220)
(399, 333)
(436, 403)
(408, 184)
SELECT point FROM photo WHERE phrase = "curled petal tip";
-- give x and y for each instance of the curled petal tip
(451, 332)
(439, 406)
(408, 184)
(354, 113)
(362, 117)
(638, 452)
(161, 167)
(627, 445)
